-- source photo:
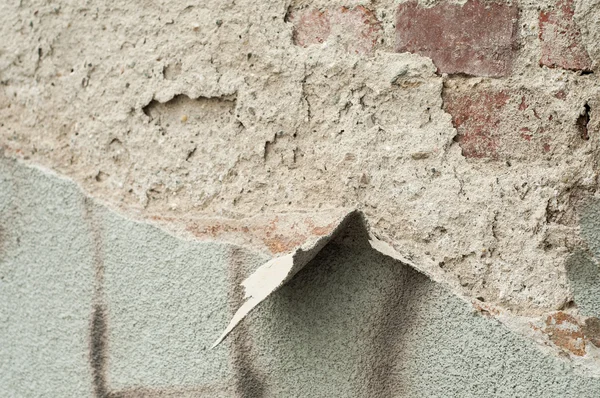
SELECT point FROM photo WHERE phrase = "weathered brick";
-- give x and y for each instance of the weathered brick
(359, 26)
(561, 39)
(356, 28)
(477, 38)
(565, 331)
(310, 27)
(477, 117)
(505, 124)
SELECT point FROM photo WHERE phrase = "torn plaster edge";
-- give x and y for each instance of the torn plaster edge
(56, 175)
(132, 215)
(275, 273)
(286, 266)
(586, 365)
(4, 157)
(332, 218)
(271, 234)
(53, 174)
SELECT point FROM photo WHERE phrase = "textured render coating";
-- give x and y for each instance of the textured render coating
(46, 286)
(166, 301)
(582, 267)
(96, 305)
(337, 319)
(352, 323)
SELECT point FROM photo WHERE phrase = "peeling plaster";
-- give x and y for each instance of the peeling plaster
(217, 122)
(166, 299)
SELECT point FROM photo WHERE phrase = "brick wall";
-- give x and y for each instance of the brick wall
(510, 113)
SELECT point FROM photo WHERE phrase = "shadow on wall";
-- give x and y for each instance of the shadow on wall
(352, 323)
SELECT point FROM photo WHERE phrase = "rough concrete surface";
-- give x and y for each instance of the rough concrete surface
(464, 132)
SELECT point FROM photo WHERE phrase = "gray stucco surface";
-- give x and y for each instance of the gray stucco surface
(166, 300)
(352, 323)
(582, 267)
(584, 278)
(46, 286)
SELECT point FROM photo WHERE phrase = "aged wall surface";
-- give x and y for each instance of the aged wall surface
(426, 170)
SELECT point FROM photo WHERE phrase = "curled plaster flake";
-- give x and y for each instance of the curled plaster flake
(387, 250)
(258, 286)
(276, 272)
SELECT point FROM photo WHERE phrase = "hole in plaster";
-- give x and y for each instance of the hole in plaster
(288, 12)
(191, 153)
(101, 176)
(171, 71)
(182, 109)
(582, 122)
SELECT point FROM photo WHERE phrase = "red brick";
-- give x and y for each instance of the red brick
(310, 27)
(561, 94)
(561, 39)
(359, 26)
(357, 29)
(565, 331)
(477, 38)
(504, 124)
(476, 118)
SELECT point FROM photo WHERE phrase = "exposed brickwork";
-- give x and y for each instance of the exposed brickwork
(362, 26)
(477, 38)
(310, 27)
(356, 28)
(505, 124)
(561, 39)
(477, 118)
(565, 331)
